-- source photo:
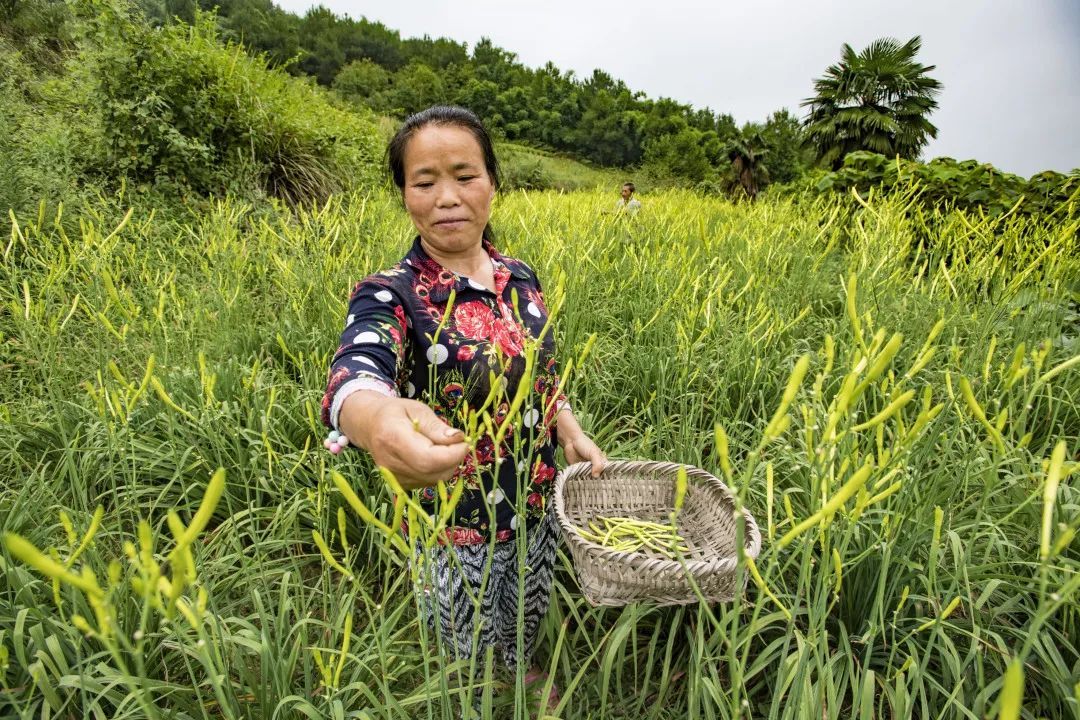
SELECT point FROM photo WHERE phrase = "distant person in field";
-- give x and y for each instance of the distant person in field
(405, 367)
(628, 203)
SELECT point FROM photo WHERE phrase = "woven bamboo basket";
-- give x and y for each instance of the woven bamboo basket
(646, 490)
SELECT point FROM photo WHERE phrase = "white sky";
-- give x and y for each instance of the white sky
(1010, 69)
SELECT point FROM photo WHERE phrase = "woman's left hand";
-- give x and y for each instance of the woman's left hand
(576, 444)
(581, 449)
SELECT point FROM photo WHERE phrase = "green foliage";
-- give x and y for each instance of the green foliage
(413, 88)
(598, 118)
(523, 171)
(747, 174)
(170, 110)
(678, 154)
(39, 143)
(363, 82)
(440, 53)
(967, 185)
(41, 30)
(912, 607)
(16, 189)
(876, 100)
(177, 107)
(531, 168)
(260, 26)
(751, 158)
(323, 54)
(783, 135)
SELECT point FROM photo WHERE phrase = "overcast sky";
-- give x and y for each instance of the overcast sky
(1010, 69)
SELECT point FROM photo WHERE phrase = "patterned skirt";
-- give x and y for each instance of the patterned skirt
(453, 605)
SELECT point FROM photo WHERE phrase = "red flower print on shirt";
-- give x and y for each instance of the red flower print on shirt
(461, 536)
(507, 335)
(483, 332)
(474, 320)
(536, 297)
(542, 473)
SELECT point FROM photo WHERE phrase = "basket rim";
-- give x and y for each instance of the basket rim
(639, 560)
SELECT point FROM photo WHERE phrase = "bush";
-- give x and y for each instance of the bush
(678, 155)
(523, 171)
(944, 182)
(179, 109)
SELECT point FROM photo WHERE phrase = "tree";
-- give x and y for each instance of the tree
(516, 113)
(413, 88)
(480, 96)
(748, 173)
(493, 63)
(677, 156)
(876, 100)
(380, 44)
(363, 81)
(182, 9)
(260, 26)
(439, 53)
(783, 135)
(318, 36)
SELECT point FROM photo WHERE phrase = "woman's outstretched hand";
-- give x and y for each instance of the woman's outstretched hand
(404, 436)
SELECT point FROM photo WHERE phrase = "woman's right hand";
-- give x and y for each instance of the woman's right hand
(404, 436)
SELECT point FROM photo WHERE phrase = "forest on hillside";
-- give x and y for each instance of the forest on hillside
(116, 92)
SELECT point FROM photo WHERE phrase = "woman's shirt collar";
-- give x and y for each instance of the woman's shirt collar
(441, 281)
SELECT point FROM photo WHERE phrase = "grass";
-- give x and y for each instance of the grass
(548, 170)
(950, 563)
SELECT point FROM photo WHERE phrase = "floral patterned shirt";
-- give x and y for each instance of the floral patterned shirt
(393, 344)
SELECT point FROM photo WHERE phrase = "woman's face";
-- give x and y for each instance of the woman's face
(447, 188)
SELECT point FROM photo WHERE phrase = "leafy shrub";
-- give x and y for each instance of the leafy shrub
(178, 108)
(679, 155)
(966, 185)
(363, 82)
(523, 171)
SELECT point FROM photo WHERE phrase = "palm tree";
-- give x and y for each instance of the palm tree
(876, 100)
(748, 173)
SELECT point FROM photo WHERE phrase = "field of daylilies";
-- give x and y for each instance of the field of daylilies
(894, 394)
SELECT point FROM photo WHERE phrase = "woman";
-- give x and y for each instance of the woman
(406, 370)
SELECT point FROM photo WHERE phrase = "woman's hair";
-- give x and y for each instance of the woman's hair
(440, 115)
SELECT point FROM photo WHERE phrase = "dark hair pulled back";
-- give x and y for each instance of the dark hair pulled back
(440, 115)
